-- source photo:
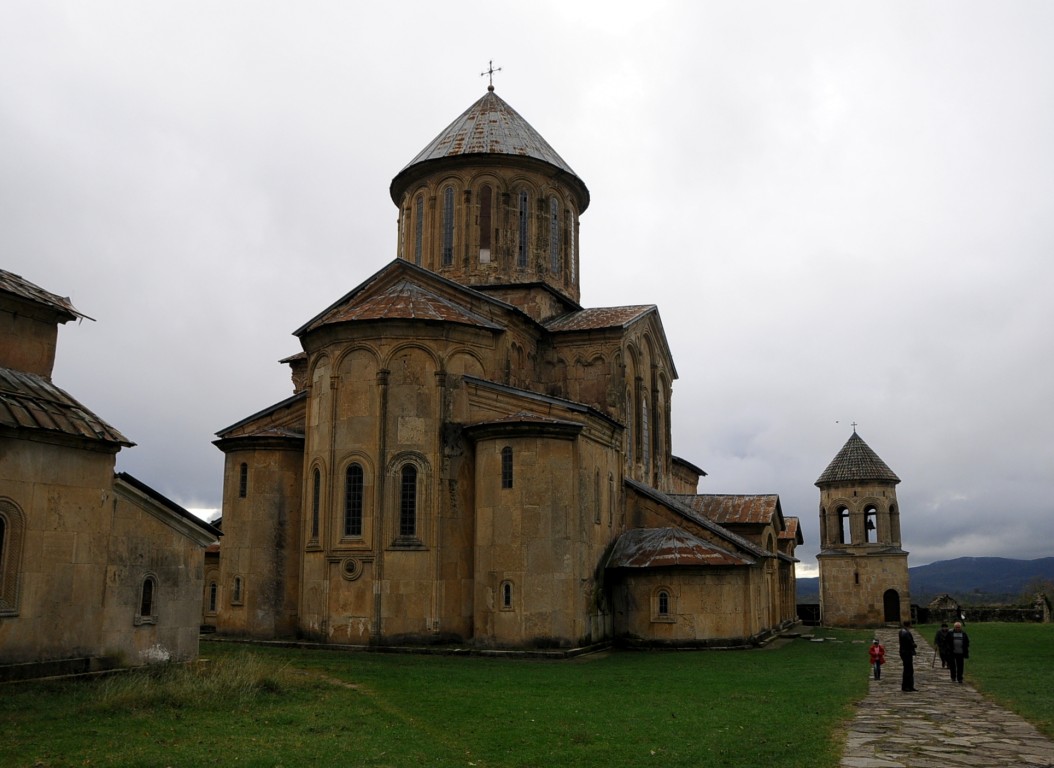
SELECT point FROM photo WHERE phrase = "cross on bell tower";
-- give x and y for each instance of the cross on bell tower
(489, 73)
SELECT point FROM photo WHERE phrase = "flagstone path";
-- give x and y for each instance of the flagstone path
(941, 725)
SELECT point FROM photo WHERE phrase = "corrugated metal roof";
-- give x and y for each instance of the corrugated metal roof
(791, 530)
(490, 126)
(19, 286)
(730, 509)
(665, 547)
(598, 318)
(857, 463)
(31, 402)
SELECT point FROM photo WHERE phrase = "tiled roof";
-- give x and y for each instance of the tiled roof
(857, 463)
(31, 402)
(406, 301)
(19, 286)
(730, 509)
(658, 547)
(490, 126)
(791, 530)
(597, 318)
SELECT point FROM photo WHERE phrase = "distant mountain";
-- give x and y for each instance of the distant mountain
(970, 580)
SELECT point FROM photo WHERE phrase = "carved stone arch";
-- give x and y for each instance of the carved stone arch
(341, 362)
(316, 501)
(462, 360)
(418, 534)
(349, 497)
(12, 535)
(416, 346)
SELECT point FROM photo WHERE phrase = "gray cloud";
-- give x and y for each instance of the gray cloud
(842, 211)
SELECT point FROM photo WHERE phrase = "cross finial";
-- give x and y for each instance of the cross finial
(854, 427)
(489, 72)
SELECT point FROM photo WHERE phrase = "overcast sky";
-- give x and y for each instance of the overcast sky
(843, 210)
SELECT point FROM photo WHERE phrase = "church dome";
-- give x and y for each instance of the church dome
(857, 463)
(488, 127)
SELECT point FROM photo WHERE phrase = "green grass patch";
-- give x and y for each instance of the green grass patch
(271, 707)
(1013, 665)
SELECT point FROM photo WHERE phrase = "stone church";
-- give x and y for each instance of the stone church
(96, 568)
(470, 456)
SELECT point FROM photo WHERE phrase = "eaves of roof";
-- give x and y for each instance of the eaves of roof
(570, 405)
(30, 402)
(669, 547)
(18, 286)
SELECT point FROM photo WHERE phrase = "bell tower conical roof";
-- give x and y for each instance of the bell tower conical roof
(857, 463)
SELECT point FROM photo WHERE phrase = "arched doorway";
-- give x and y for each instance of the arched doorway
(891, 605)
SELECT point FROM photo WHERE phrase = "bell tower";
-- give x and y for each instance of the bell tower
(863, 568)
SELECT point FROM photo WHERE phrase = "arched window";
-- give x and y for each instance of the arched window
(243, 480)
(147, 613)
(554, 235)
(663, 603)
(213, 595)
(408, 501)
(316, 494)
(236, 593)
(12, 528)
(522, 244)
(630, 435)
(353, 484)
(506, 467)
(447, 255)
(506, 595)
(485, 202)
(419, 227)
(843, 525)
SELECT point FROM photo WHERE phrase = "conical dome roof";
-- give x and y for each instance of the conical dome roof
(857, 463)
(490, 127)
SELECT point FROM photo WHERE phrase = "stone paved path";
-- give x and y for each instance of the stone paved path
(942, 725)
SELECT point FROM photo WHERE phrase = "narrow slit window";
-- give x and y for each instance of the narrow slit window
(316, 493)
(147, 601)
(521, 245)
(419, 227)
(236, 593)
(664, 603)
(485, 202)
(243, 480)
(408, 502)
(506, 467)
(213, 594)
(554, 235)
(447, 255)
(506, 595)
(353, 484)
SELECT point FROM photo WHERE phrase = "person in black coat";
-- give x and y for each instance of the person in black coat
(907, 656)
(940, 642)
(959, 651)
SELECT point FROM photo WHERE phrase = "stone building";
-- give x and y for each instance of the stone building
(469, 455)
(95, 568)
(863, 569)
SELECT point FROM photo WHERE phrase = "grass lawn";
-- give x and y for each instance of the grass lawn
(277, 707)
(1012, 664)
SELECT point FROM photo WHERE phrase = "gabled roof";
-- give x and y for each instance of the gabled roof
(665, 547)
(678, 507)
(30, 402)
(602, 318)
(792, 530)
(18, 286)
(857, 463)
(737, 509)
(167, 510)
(283, 419)
(406, 297)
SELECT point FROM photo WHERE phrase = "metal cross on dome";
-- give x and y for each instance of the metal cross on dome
(489, 72)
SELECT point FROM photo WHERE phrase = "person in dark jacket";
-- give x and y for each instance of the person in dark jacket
(907, 656)
(940, 642)
(959, 651)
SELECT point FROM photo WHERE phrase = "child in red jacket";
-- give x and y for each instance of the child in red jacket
(878, 657)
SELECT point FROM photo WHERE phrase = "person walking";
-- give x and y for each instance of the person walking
(907, 656)
(959, 647)
(940, 642)
(877, 652)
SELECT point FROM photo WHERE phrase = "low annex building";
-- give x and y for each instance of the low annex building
(96, 569)
(471, 456)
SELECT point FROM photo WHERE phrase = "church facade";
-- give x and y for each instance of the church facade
(471, 456)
